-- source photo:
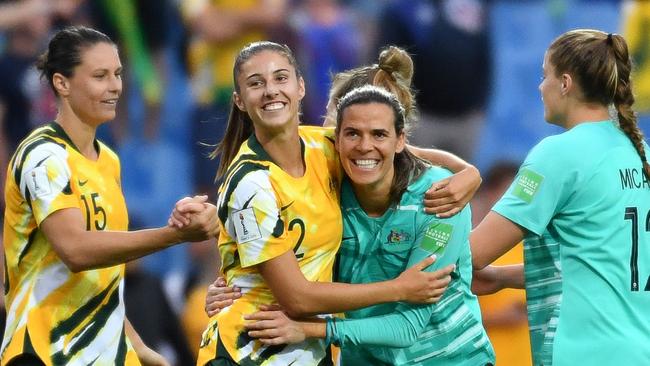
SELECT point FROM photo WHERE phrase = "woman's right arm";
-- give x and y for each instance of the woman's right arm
(44, 179)
(81, 250)
(300, 297)
(492, 238)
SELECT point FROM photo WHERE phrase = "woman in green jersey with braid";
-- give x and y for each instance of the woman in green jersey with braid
(581, 203)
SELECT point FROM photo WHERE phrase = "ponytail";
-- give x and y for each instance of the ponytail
(601, 63)
(239, 128)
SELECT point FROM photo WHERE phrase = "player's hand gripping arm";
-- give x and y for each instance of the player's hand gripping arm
(447, 197)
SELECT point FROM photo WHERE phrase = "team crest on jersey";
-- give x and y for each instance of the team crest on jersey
(397, 237)
(246, 225)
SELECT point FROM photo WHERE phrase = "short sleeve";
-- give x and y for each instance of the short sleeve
(540, 189)
(254, 220)
(45, 181)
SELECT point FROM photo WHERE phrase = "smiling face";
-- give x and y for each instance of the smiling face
(269, 91)
(367, 143)
(95, 86)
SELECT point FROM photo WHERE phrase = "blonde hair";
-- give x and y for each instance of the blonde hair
(393, 72)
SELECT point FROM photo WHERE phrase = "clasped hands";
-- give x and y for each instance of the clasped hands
(194, 218)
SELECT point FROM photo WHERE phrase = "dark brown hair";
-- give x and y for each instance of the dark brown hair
(63, 52)
(601, 65)
(408, 167)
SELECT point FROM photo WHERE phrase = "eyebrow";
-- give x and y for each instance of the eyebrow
(106, 70)
(374, 130)
(257, 74)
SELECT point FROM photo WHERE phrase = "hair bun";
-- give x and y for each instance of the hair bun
(396, 62)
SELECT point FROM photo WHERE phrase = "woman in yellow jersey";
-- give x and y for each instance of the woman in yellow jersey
(281, 223)
(65, 224)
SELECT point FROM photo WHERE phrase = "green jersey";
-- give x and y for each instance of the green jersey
(380, 248)
(585, 202)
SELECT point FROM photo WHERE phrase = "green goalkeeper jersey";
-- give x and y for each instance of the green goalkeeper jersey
(380, 248)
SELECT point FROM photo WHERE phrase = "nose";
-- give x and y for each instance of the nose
(115, 84)
(271, 90)
(365, 144)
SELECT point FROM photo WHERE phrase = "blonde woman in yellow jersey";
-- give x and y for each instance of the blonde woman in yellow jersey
(65, 222)
(280, 218)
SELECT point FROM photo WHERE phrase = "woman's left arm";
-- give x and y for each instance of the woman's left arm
(492, 238)
(447, 197)
(401, 328)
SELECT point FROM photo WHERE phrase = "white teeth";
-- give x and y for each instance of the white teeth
(366, 163)
(273, 106)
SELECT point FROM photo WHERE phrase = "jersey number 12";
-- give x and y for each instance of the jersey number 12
(632, 213)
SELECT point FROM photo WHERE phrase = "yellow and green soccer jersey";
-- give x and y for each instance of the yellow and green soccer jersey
(64, 318)
(264, 212)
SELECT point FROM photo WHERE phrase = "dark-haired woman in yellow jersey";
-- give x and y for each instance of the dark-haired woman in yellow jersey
(64, 230)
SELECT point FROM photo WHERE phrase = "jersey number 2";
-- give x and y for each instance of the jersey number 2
(300, 224)
(632, 213)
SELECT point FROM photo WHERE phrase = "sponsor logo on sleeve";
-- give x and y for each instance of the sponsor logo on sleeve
(527, 185)
(436, 237)
(38, 182)
(246, 227)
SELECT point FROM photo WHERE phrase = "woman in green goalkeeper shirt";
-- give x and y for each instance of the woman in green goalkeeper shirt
(581, 203)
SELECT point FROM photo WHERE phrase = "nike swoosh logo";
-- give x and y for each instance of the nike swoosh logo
(287, 206)
(82, 182)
